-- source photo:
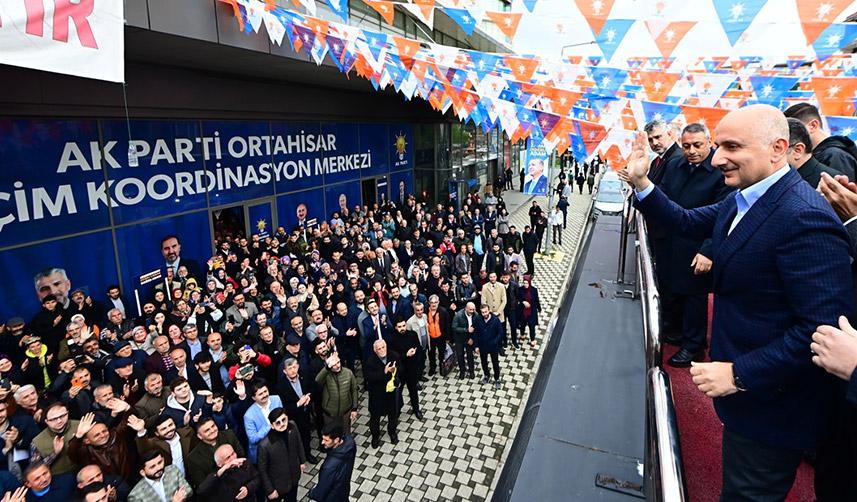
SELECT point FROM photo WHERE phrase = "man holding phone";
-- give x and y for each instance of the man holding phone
(382, 382)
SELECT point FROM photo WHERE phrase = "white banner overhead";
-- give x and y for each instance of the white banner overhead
(85, 38)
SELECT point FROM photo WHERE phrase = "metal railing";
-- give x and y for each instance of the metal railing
(663, 478)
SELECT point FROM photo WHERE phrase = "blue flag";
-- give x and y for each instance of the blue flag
(462, 18)
(737, 15)
(611, 36)
(340, 8)
(834, 38)
(843, 126)
(376, 42)
(660, 111)
(771, 90)
(578, 147)
(483, 62)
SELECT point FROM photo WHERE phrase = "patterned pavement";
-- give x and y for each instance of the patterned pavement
(457, 452)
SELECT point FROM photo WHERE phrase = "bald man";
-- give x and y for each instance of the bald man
(778, 253)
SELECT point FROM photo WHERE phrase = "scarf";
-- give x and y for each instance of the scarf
(528, 297)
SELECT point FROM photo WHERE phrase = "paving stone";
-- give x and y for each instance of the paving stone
(455, 453)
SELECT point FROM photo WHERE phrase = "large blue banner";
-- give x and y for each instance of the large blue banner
(58, 267)
(159, 172)
(64, 177)
(261, 219)
(50, 172)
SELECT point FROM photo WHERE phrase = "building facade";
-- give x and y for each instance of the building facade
(214, 131)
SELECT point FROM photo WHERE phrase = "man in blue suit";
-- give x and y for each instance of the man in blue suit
(536, 183)
(778, 254)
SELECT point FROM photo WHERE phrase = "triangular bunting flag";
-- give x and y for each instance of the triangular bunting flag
(835, 95)
(737, 15)
(660, 111)
(710, 87)
(843, 126)
(833, 39)
(595, 12)
(340, 8)
(463, 18)
(816, 15)
(672, 34)
(383, 8)
(612, 34)
(657, 84)
(522, 68)
(709, 117)
(507, 22)
(771, 90)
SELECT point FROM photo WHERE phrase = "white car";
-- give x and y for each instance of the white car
(611, 195)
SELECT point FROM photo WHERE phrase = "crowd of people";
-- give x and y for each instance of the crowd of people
(236, 366)
(763, 214)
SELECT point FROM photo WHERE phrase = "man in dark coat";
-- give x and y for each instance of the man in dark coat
(662, 141)
(382, 383)
(683, 263)
(281, 458)
(406, 342)
(297, 392)
(800, 155)
(234, 477)
(836, 152)
(488, 336)
(531, 243)
(334, 478)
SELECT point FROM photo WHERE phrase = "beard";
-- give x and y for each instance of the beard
(157, 476)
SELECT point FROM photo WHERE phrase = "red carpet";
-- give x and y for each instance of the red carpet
(700, 434)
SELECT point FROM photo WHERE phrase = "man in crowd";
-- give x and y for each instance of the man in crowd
(334, 477)
(836, 152)
(800, 155)
(161, 482)
(662, 140)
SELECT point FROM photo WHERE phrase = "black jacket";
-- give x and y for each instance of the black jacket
(334, 478)
(279, 461)
(411, 368)
(381, 402)
(224, 488)
(838, 152)
(701, 186)
(811, 171)
(657, 170)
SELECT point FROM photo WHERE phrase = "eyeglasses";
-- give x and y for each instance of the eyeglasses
(56, 418)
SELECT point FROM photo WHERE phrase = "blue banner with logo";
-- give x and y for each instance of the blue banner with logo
(59, 177)
(261, 219)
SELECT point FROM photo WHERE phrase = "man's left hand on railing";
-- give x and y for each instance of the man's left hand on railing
(714, 379)
(701, 264)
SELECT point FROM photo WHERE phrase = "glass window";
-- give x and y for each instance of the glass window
(460, 139)
(425, 146)
(442, 146)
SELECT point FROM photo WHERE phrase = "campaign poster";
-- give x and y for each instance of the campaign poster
(341, 196)
(304, 209)
(57, 267)
(148, 247)
(261, 219)
(401, 185)
(536, 176)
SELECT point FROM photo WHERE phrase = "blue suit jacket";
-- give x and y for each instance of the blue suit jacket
(540, 187)
(256, 424)
(782, 272)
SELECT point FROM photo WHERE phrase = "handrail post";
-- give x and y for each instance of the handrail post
(623, 245)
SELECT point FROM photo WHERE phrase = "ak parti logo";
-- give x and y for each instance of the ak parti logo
(401, 145)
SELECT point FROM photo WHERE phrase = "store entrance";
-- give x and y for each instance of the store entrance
(228, 223)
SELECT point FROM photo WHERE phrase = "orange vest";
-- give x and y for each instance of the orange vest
(434, 324)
